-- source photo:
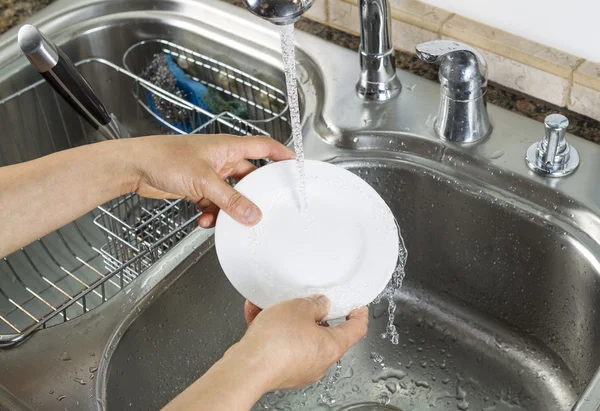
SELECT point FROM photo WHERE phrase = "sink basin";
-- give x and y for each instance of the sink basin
(499, 306)
(485, 320)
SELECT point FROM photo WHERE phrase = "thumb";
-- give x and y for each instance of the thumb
(319, 306)
(231, 201)
(350, 332)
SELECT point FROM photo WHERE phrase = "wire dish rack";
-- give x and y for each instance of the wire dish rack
(80, 266)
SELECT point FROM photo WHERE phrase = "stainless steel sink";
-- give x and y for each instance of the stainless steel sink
(499, 306)
(483, 317)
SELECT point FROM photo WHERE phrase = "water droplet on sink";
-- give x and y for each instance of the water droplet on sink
(422, 384)
(430, 120)
(376, 357)
(384, 398)
(496, 154)
(79, 381)
(327, 398)
(65, 356)
(463, 405)
(61, 397)
(93, 369)
(387, 374)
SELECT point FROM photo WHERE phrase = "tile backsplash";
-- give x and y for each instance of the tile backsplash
(514, 62)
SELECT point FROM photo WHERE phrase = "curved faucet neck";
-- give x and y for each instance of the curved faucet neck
(378, 80)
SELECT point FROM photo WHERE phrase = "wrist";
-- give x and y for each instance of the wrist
(253, 367)
(127, 172)
(239, 367)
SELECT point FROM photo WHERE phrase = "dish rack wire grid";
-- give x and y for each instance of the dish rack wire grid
(83, 264)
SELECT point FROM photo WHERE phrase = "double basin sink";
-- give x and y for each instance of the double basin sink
(500, 308)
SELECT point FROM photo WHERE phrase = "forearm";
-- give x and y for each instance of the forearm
(40, 196)
(236, 383)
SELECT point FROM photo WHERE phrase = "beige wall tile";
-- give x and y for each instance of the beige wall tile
(588, 74)
(319, 11)
(419, 14)
(406, 36)
(513, 47)
(344, 16)
(415, 13)
(526, 79)
(585, 100)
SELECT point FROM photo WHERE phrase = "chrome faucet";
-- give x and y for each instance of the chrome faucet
(462, 115)
(378, 80)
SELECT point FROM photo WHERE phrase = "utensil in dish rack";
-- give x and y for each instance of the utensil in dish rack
(58, 70)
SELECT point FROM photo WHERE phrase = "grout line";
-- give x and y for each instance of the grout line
(570, 82)
(443, 23)
(327, 10)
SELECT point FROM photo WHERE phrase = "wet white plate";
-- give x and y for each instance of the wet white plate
(344, 246)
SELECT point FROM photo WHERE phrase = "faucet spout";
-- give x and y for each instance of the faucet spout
(378, 80)
(280, 12)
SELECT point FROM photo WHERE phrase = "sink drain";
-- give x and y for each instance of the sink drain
(370, 406)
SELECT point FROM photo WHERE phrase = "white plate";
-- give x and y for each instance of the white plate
(344, 246)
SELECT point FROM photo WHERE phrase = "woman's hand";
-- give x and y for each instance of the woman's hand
(285, 347)
(194, 167)
(293, 344)
(33, 194)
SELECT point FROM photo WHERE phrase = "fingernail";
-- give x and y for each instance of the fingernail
(323, 300)
(252, 215)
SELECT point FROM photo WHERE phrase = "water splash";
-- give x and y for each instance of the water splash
(289, 65)
(395, 284)
(327, 397)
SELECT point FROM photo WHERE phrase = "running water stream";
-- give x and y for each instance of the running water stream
(289, 65)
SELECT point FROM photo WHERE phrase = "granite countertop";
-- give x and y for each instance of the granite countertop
(13, 12)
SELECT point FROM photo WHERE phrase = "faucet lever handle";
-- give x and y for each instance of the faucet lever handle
(462, 114)
(463, 70)
(435, 51)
